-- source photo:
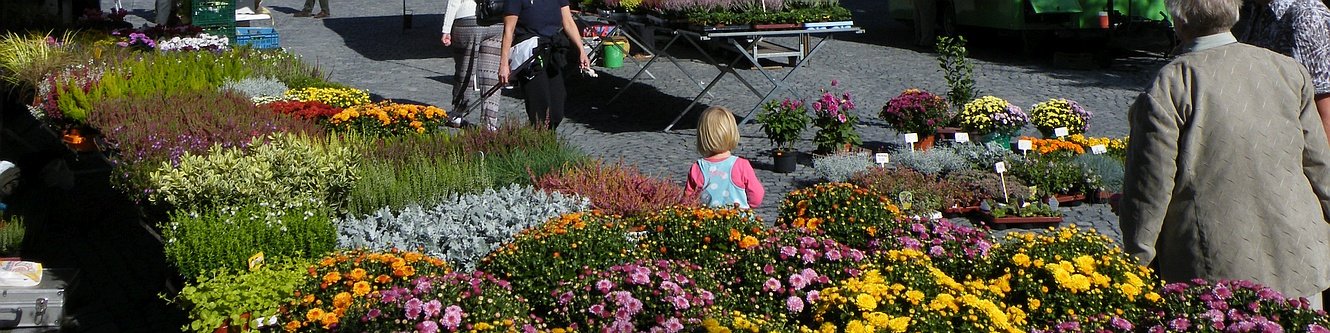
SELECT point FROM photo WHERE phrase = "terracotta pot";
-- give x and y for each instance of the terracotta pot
(225, 327)
(925, 142)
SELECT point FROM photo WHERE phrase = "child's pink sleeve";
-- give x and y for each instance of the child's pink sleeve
(746, 178)
(695, 180)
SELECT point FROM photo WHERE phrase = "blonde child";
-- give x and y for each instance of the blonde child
(719, 178)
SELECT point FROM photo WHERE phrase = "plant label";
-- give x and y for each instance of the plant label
(1098, 149)
(1061, 132)
(962, 137)
(256, 262)
(911, 137)
(1025, 145)
(882, 158)
(1001, 167)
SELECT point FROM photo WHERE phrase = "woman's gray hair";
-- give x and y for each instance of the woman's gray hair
(1203, 17)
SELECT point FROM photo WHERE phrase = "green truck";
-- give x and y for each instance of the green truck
(1138, 24)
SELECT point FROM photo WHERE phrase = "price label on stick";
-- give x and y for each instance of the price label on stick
(1025, 145)
(1061, 132)
(962, 137)
(882, 158)
(911, 137)
(1001, 167)
(1098, 149)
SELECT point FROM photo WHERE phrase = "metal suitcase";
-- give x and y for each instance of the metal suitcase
(39, 308)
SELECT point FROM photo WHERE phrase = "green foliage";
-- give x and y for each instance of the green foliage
(1101, 172)
(522, 165)
(292, 170)
(156, 73)
(11, 236)
(1049, 175)
(233, 296)
(926, 194)
(783, 122)
(423, 181)
(1028, 209)
(957, 69)
(844, 212)
(704, 236)
(226, 238)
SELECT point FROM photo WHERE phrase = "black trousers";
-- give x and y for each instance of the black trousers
(545, 96)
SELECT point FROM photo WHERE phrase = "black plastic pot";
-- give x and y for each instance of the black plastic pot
(785, 161)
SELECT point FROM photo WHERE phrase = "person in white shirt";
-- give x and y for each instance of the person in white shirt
(476, 63)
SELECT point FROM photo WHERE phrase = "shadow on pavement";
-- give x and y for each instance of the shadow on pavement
(641, 108)
(382, 38)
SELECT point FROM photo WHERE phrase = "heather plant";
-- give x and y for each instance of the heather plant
(414, 181)
(934, 162)
(343, 288)
(436, 303)
(778, 282)
(12, 231)
(844, 212)
(162, 74)
(301, 171)
(516, 154)
(145, 132)
(639, 296)
(256, 88)
(312, 110)
(559, 250)
(200, 242)
(1068, 273)
(1231, 306)
(986, 185)
(616, 188)
(458, 228)
(839, 167)
(46, 105)
(918, 194)
(954, 249)
(699, 235)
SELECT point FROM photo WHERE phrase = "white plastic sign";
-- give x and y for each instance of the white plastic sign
(1098, 149)
(1061, 132)
(882, 158)
(1000, 167)
(911, 137)
(962, 137)
(1025, 145)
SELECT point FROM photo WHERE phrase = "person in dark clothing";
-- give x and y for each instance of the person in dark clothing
(542, 83)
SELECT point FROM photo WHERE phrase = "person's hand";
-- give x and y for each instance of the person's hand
(582, 60)
(503, 73)
(447, 39)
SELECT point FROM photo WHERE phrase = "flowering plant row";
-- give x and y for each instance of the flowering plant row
(388, 118)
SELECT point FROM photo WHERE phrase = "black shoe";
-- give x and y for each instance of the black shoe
(303, 13)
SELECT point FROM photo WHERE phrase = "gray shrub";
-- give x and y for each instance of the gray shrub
(463, 228)
(936, 161)
(257, 87)
(839, 167)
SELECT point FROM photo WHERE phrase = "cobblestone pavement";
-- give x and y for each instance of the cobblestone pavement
(365, 44)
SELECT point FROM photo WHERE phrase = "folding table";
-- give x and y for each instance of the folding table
(747, 44)
(586, 19)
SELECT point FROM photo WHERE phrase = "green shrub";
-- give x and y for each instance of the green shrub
(289, 171)
(11, 236)
(239, 296)
(420, 181)
(1049, 175)
(226, 238)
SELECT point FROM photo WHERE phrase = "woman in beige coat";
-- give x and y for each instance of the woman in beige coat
(1228, 168)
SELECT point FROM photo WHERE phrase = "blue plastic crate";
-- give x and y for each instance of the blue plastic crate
(257, 37)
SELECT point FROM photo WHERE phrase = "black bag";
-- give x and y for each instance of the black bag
(490, 12)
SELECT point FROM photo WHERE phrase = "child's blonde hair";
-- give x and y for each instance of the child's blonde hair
(716, 131)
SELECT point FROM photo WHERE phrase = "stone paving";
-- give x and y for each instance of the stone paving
(364, 44)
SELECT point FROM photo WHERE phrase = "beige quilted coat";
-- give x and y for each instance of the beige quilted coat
(1228, 170)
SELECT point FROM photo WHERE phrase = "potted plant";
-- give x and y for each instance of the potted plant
(916, 111)
(1055, 113)
(834, 121)
(1020, 213)
(783, 122)
(994, 119)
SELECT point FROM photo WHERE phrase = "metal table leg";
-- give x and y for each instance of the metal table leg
(777, 84)
(662, 52)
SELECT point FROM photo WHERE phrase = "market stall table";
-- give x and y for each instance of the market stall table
(749, 45)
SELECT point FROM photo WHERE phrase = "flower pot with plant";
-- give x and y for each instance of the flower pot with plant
(994, 119)
(1021, 213)
(834, 121)
(916, 111)
(783, 122)
(1049, 115)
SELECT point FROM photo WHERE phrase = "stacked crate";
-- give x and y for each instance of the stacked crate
(216, 17)
(263, 38)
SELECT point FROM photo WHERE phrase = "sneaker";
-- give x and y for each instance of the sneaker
(321, 15)
(302, 13)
